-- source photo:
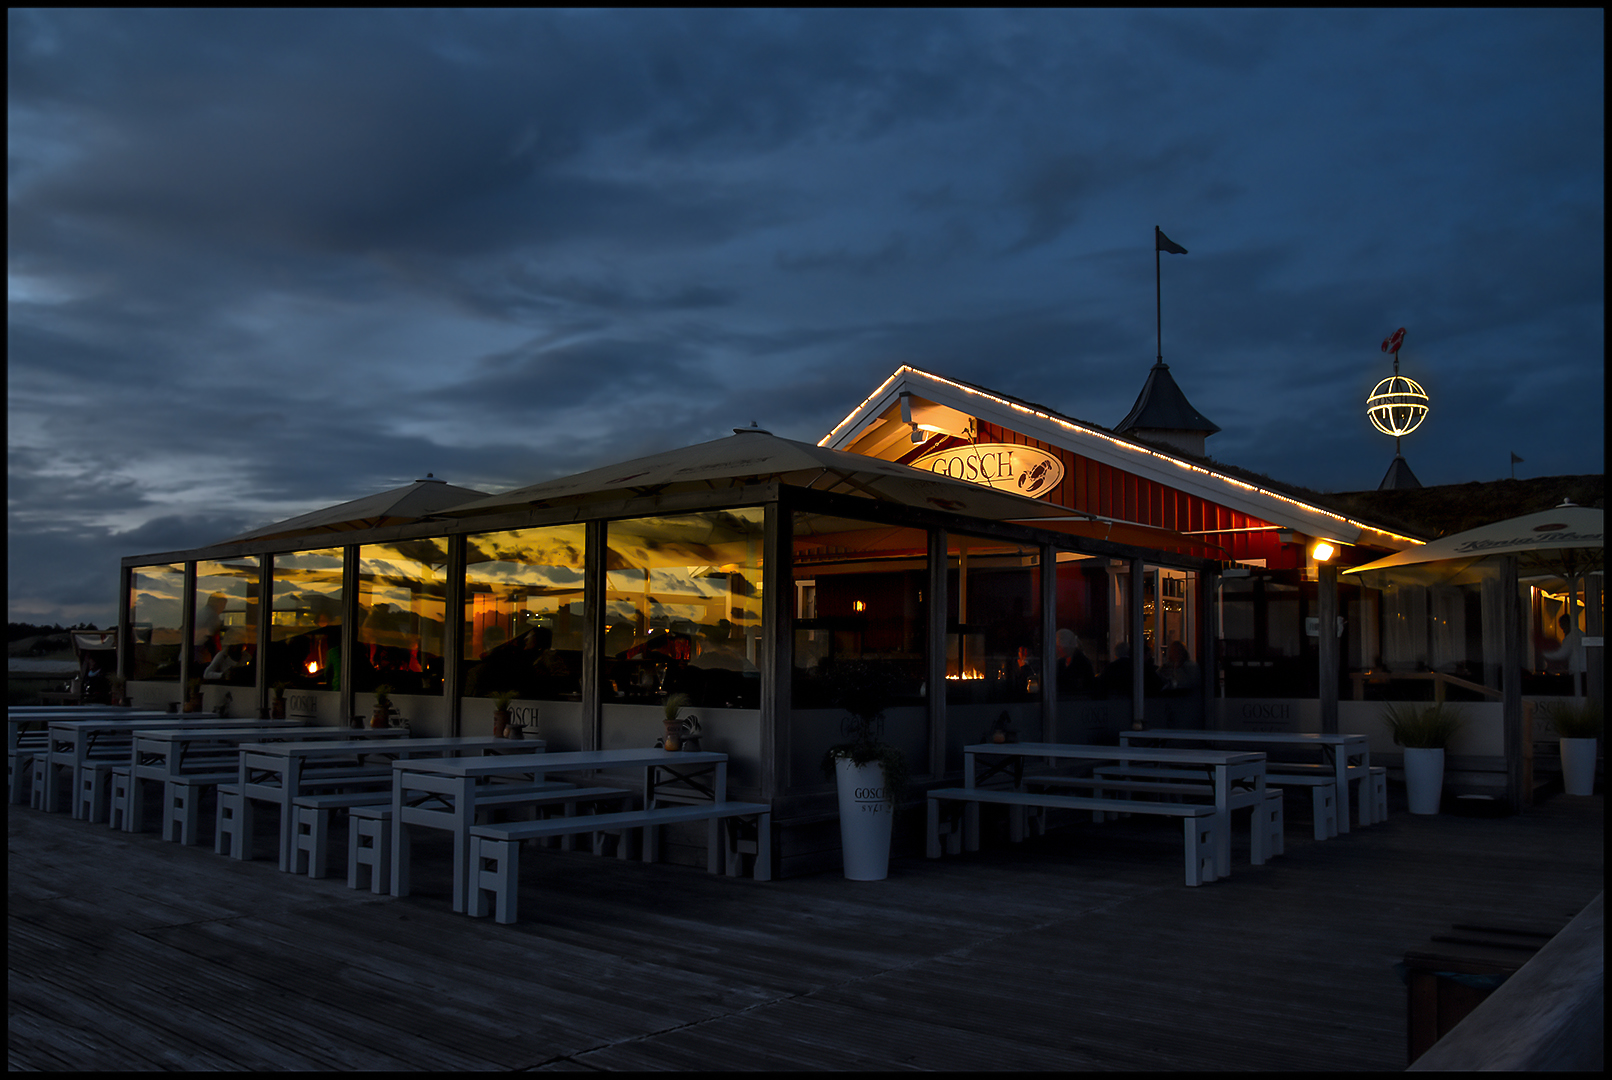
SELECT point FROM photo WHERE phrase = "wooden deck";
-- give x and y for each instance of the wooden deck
(1079, 950)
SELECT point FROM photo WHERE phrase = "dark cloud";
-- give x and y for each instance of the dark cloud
(265, 261)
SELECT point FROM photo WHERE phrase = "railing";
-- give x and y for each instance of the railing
(1549, 1016)
(1440, 681)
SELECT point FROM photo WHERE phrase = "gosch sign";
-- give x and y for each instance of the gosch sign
(1005, 466)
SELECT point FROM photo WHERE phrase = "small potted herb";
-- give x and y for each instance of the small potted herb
(673, 705)
(381, 717)
(501, 702)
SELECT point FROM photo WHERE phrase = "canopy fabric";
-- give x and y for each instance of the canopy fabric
(423, 498)
(1566, 539)
(752, 456)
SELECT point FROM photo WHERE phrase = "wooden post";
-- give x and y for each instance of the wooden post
(594, 583)
(936, 675)
(1049, 643)
(1138, 646)
(1327, 594)
(1511, 681)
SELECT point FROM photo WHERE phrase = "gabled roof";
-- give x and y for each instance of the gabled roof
(1200, 477)
(1161, 406)
(751, 456)
(421, 499)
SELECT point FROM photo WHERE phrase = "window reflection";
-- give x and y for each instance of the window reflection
(859, 607)
(523, 613)
(683, 609)
(993, 621)
(305, 619)
(1081, 645)
(224, 635)
(156, 618)
(402, 604)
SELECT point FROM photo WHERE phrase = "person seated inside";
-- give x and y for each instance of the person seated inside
(1075, 674)
(227, 660)
(1180, 673)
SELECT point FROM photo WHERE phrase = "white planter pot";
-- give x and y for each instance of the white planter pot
(865, 820)
(1424, 778)
(1578, 766)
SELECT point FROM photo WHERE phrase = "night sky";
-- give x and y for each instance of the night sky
(263, 262)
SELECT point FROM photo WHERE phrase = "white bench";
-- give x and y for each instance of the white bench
(1200, 825)
(495, 849)
(233, 825)
(1259, 833)
(94, 792)
(311, 832)
(1323, 800)
(20, 768)
(181, 804)
(369, 843)
(1371, 797)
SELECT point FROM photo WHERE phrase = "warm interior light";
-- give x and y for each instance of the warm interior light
(1323, 551)
(313, 666)
(859, 605)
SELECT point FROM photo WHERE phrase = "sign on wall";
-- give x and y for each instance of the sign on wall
(1023, 470)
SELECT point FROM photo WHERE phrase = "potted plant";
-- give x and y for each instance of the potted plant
(277, 706)
(193, 702)
(383, 707)
(673, 705)
(688, 733)
(871, 774)
(1424, 731)
(501, 702)
(1578, 722)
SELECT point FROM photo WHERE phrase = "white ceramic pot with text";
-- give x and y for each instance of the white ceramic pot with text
(1578, 766)
(1424, 778)
(866, 817)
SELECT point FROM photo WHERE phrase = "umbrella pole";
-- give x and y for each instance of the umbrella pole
(1511, 685)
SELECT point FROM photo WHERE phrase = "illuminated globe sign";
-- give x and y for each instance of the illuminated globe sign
(1023, 470)
(1397, 406)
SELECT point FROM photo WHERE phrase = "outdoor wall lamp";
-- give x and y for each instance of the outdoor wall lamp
(1323, 551)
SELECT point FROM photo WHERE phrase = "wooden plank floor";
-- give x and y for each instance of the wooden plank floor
(1078, 950)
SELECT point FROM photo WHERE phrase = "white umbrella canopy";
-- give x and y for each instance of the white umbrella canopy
(423, 498)
(753, 456)
(1565, 540)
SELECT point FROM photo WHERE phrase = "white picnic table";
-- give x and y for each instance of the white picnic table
(273, 771)
(1237, 778)
(159, 753)
(73, 742)
(453, 784)
(1338, 751)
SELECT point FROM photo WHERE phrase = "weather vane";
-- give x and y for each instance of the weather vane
(1397, 405)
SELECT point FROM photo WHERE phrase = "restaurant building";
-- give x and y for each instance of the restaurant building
(992, 562)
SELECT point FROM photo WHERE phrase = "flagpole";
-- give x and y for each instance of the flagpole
(1158, 296)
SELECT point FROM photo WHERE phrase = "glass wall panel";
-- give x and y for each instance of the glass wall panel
(859, 619)
(225, 631)
(993, 642)
(1084, 617)
(305, 620)
(156, 622)
(1265, 648)
(1174, 685)
(402, 611)
(683, 609)
(523, 613)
